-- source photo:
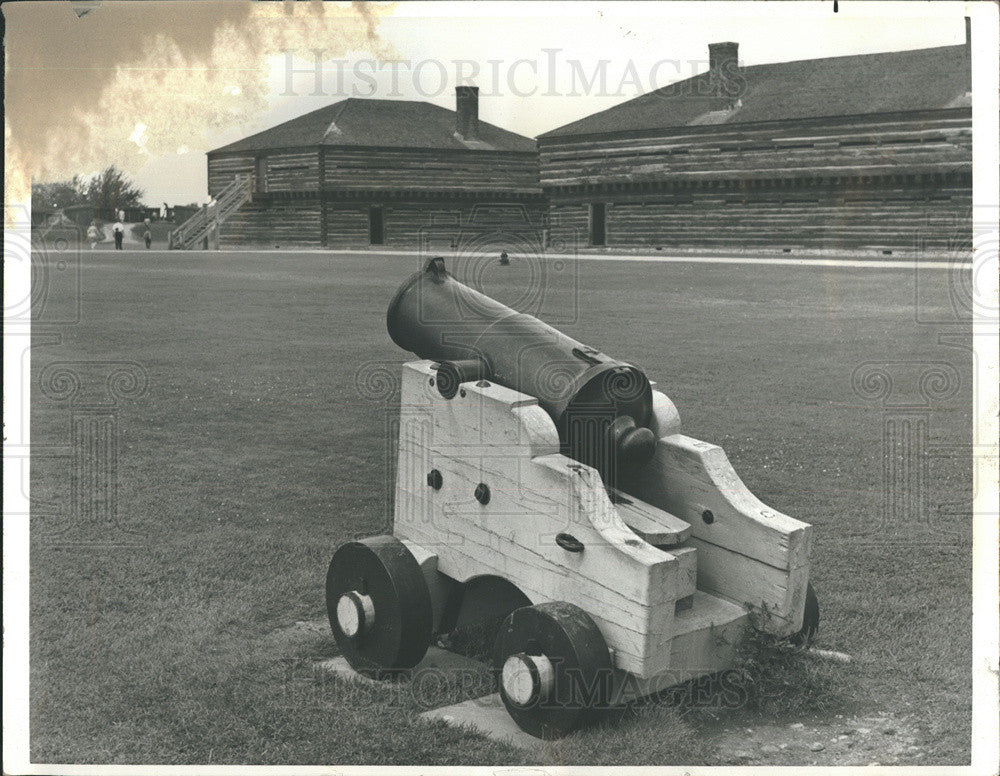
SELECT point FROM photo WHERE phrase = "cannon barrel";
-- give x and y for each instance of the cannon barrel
(601, 407)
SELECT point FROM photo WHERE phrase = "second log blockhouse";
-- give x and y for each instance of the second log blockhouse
(868, 153)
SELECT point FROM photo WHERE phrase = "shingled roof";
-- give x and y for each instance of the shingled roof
(386, 123)
(922, 79)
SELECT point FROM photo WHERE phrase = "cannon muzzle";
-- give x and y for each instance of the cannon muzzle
(601, 407)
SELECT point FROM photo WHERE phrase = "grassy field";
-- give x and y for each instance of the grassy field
(255, 441)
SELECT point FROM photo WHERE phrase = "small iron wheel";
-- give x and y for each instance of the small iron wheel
(554, 669)
(810, 620)
(379, 606)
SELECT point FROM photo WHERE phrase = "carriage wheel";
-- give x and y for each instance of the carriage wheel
(379, 605)
(554, 669)
(810, 620)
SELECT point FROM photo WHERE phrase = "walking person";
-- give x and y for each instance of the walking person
(119, 230)
(148, 234)
(95, 234)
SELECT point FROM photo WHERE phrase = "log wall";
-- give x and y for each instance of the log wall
(929, 143)
(308, 221)
(293, 222)
(292, 171)
(417, 188)
(222, 171)
(345, 225)
(363, 169)
(890, 214)
(437, 224)
(882, 183)
(421, 169)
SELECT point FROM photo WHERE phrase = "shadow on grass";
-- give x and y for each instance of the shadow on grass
(778, 678)
(641, 733)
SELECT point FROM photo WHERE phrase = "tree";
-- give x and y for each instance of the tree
(112, 190)
(60, 194)
(105, 193)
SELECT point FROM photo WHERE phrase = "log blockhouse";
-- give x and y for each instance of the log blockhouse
(366, 172)
(857, 153)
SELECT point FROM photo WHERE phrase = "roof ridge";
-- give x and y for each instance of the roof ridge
(847, 56)
(389, 100)
(283, 123)
(332, 125)
(744, 68)
(848, 78)
(376, 121)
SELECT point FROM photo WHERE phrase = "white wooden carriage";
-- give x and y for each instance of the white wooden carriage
(670, 568)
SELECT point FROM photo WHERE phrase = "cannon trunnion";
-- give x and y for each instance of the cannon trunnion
(626, 556)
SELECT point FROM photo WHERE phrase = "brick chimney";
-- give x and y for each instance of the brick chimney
(723, 67)
(467, 112)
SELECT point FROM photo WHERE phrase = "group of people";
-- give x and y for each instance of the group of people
(96, 234)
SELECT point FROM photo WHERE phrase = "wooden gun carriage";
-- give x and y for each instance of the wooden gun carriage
(542, 481)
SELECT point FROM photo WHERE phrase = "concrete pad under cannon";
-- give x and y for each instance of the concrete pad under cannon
(485, 715)
(436, 659)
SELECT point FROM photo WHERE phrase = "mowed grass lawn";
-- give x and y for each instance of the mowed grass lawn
(262, 442)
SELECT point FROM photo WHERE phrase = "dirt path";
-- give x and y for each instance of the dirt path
(844, 740)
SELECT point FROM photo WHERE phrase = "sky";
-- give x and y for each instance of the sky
(151, 88)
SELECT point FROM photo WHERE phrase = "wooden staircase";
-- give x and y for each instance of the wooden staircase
(198, 227)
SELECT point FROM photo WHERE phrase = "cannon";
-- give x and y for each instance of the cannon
(601, 407)
(546, 486)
